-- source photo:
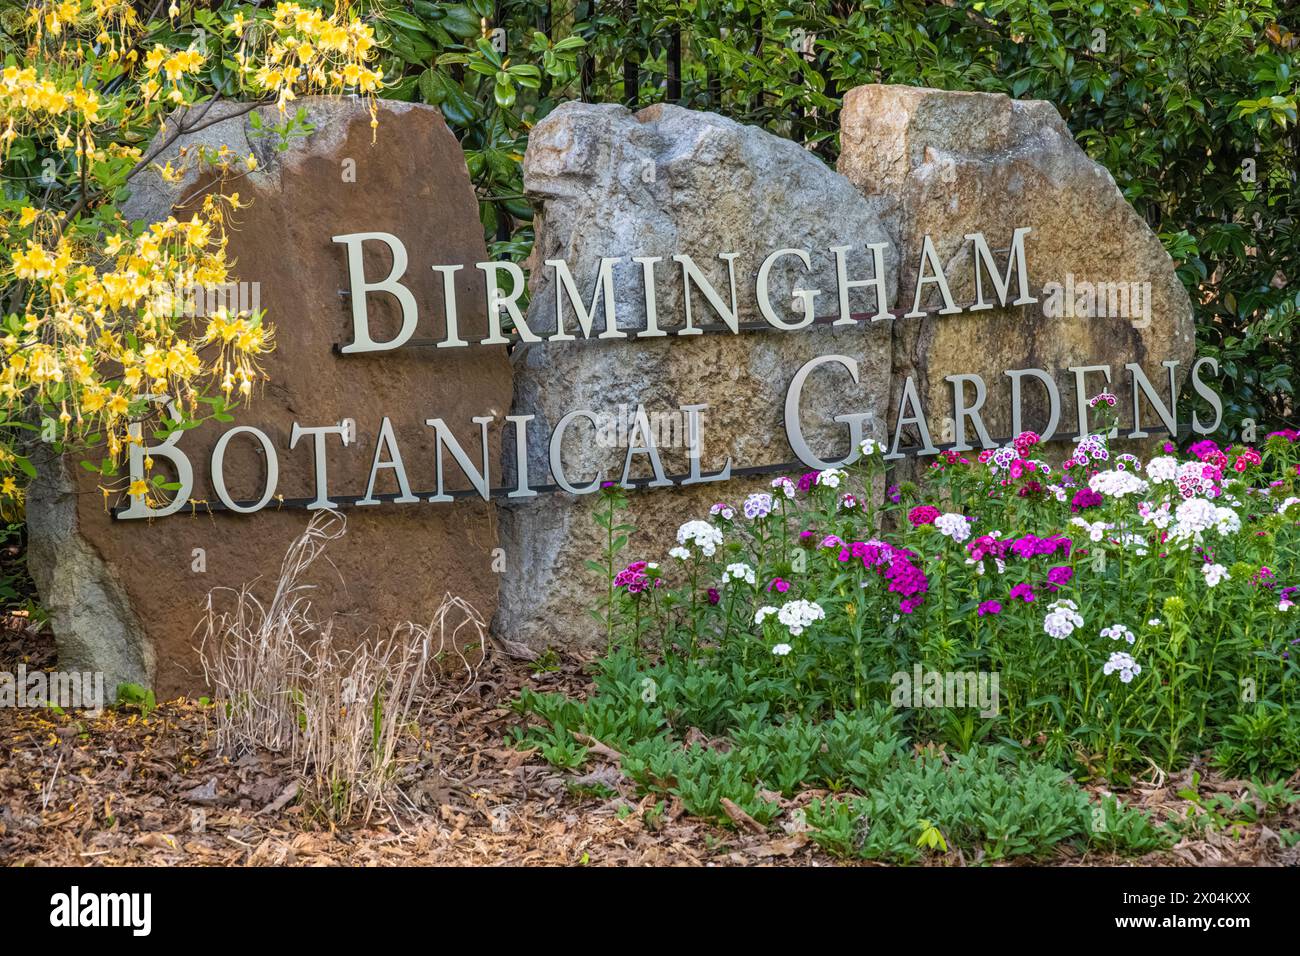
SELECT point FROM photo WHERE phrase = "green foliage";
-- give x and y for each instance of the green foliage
(137, 697)
(894, 807)
(1263, 742)
(981, 803)
(1220, 811)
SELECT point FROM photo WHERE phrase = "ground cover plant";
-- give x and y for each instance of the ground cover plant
(945, 660)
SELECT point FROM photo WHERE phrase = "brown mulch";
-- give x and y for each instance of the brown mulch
(24, 642)
(122, 788)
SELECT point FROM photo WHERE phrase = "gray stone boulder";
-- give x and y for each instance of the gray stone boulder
(664, 181)
(960, 163)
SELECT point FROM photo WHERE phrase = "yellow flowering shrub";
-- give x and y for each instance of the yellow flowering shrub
(101, 336)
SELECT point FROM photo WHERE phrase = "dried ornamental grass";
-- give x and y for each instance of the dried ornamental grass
(288, 683)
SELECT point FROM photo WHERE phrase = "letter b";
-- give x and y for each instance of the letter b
(361, 340)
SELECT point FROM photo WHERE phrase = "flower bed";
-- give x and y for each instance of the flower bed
(1106, 616)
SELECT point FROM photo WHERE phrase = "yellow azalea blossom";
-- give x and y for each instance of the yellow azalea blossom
(108, 320)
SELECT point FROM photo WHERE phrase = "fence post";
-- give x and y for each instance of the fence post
(675, 63)
(631, 61)
(713, 81)
(588, 68)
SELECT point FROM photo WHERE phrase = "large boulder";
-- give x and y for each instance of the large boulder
(961, 163)
(125, 596)
(668, 181)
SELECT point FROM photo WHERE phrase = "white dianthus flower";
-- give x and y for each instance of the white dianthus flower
(1161, 469)
(706, 537)
(1192, 517)
(763, 613)
(869, 447)
(1214, 573)
(1118, 632)
(1116, 484)
(831, 477)
(785, 485)
(953, 525)
(1062, 618)
(797, 615)
(681, 554)
(1226, 521)
(780, 650)
(739, 572)
(1124, 664)
(1159, 515)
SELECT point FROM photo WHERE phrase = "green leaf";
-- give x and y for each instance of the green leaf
(403, 19)
(460, 21)
(504, 91)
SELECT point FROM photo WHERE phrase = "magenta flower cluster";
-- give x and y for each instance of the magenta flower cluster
(895, 565)
(1032, 546)
(634, 578)
(1085, 498)
(922, 515)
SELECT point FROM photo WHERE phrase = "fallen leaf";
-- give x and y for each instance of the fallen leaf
(783, 847)
(158, 841)
(740, 818)
(280, 802)
(204, 793)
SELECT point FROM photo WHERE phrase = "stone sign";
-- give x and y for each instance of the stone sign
(663, 182)
(930, 169)
(707, 306)
(956, 163)
(125, 596)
